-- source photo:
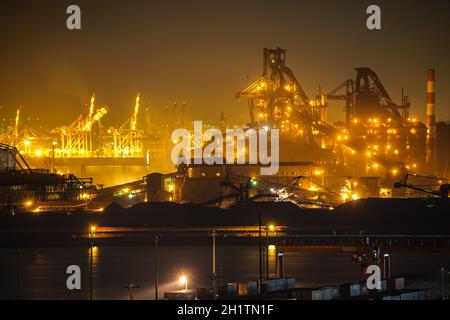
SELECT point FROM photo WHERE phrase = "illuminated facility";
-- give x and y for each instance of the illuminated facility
(322, 163)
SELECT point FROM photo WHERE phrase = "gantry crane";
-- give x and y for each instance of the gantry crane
(27, 140)
(76, 139)
(128, 138)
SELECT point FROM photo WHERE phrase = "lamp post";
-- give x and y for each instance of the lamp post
(443, 283)
(214, 275)
(19, 254)
(92, 230)
(131, 287)
(268, 228)
(156, 241)
(260, 255)
(183, 281)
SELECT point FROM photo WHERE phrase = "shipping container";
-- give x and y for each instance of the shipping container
(422, 295)
(180, 295)
(330, 293)
(269, 286)
(364, 291)
(281, 284)
(396, 284)
(290, 283)
(316, 295)
(363, 288)
(399, 283)
(252, 288)
(355, 290)
(405, 296)
(350, 290)
(383, 286)
(242, 289)
(229, 290)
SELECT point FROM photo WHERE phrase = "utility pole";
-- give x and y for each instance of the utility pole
(443, 283)
(156, 241)
(260, 256)
(18, 254)
(267, 252)
(214, 275)
(92, 230)
(131, 287)
(91, 277)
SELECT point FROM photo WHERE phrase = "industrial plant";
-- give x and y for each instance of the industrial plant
(323, 163)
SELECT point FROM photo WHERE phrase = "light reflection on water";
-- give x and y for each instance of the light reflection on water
(43, 270)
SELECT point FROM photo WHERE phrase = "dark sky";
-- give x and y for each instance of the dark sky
(201, 51)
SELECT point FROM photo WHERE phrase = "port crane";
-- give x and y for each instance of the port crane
(24, 137)
(76, 139)
(127, 139)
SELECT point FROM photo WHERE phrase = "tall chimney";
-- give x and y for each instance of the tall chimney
(431, 124)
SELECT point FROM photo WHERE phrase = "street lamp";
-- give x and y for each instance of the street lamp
(214, 275)
(443, 273)
(92, 229)
(183, 281)
(156, 241)
(270, 228)
(19, 254)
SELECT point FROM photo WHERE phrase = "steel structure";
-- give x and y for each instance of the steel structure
(36, 189)
(377, 130)
(76, 140)
(272, 97)
(128, 138)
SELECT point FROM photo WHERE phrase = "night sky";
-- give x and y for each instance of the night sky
(202, 51)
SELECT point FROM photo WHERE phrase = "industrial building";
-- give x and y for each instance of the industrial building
(322, 163)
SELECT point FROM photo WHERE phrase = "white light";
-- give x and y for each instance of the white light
(183, 281)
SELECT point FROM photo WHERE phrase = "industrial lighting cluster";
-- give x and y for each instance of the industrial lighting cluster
(77, 139)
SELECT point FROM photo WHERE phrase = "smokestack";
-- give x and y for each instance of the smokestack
(431, 123)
